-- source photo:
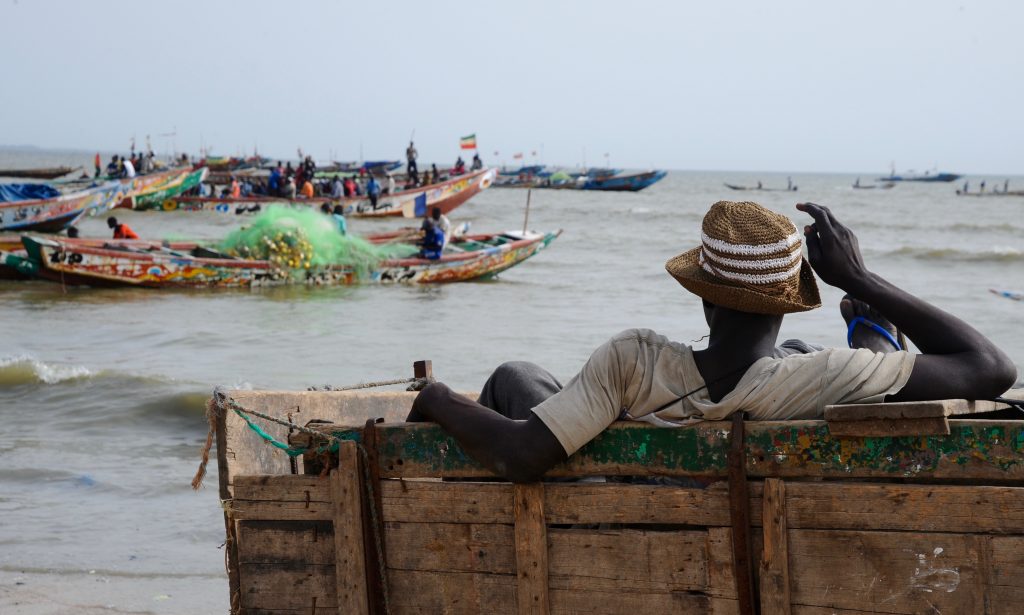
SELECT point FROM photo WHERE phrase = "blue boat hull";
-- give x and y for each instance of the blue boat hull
(938, 177)
(624, 183)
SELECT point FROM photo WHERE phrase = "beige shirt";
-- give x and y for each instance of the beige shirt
(638, 371)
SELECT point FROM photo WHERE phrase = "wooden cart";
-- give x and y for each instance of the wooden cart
(890, 509)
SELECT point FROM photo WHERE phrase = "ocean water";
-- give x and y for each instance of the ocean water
(102, 391)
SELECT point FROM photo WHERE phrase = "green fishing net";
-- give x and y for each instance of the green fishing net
(296, 239)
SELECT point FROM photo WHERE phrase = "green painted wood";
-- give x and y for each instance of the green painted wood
(973, 450)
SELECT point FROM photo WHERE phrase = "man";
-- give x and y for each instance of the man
(391, 183)
(337, 188)
(441, 221)
(373, 190)
(477, 163)
(432, 245)
(96, 162)
(128, 169)
(274, 183)
(307, 189)
(121, 231)
(749, 272)
(410, 159)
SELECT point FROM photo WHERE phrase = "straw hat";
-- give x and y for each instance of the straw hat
(749, 260)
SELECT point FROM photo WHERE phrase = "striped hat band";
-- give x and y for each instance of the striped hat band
(759, 264)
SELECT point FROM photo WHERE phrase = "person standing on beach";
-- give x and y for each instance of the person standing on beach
(96, 161)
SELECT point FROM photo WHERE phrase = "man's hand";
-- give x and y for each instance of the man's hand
(832, 249)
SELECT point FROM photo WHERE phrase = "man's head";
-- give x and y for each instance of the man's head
(111, 222)
(435, 213)
(749, 260)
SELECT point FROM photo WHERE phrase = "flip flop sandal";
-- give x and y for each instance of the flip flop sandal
(860, 320)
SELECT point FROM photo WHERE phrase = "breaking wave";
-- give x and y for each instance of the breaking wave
(995, 254)
(20, 370)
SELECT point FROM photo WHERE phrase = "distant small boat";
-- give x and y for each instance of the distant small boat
(534, 169)
(377, 167)
(624, 183)
(925, 177)
(44, 173)
(883, 186)
(759, 188)
(1008, 294)
(992, 193)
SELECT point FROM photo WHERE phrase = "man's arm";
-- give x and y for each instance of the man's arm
(521, 451)
(957, 361)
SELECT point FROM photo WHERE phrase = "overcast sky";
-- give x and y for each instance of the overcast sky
(785, 86)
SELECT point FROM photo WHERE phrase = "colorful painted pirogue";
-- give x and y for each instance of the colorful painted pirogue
(446, 195)
(58, 212)
(182, 265)
(148, 191)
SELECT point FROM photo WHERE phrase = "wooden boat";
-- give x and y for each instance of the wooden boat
(925, 177)
(882, 186)
(59, 212)
(991, 193)
(155, 194)
(853, 514)
(623, 183)
(523, 171)
(189, 265)
(758, 188)
(446, 195)
(44, 173)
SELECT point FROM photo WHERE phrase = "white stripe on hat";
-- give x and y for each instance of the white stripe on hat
(750, 278)
(766, 263)
(743, 249)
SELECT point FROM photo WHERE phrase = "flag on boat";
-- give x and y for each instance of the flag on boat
(468, 142)
(518, 156)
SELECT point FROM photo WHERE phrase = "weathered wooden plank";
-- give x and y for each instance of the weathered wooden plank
(909, 409)
(531, 545)
(275, 586)
(290, 543)
(886, 572)
(450, 547)
(310, 610)
(282, 487)
(452, 593)
(721, 581)
(920, 508)
(564, 503)
(1003, 557)
(245, 453)
(350, 568)
(627, 560)
(447, 502)
(623, 503)
(280, 511)
(429, 593)
(282, 496)
(878, 428)
(775, 594)
(574, 602)
(973, 450)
